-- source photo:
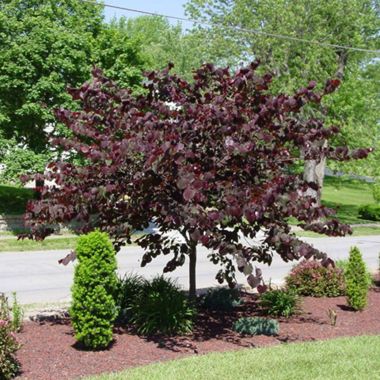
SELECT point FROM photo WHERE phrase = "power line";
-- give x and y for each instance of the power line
(235, 28)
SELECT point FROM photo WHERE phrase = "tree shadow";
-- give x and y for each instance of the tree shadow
(79, 346)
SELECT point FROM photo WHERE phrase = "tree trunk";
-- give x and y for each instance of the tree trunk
(314, 172)
(192, 270)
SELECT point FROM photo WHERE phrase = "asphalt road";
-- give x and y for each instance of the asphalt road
(37, 277)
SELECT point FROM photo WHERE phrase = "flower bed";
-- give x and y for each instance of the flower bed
(49, 349)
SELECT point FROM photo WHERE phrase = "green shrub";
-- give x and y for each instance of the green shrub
(356, 280)
(280, 303)
(343, 264)
(13, 199)
(222, 299)
(370, 212)
(128, 290)
(311, 278)
(9, 365)
(376, 192)
(93, 307)
(256, 326)
(162, 308)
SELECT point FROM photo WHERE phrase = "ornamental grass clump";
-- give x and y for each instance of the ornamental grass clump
(356, 280)
(162, 308)
(9, 365)
(93, 310)
(311, 278)
(128, 291)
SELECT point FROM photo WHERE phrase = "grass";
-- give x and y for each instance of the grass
(346, 196)
(357, 231)
(344, 358)
(13, 245)
(13, 199)
(10, 244)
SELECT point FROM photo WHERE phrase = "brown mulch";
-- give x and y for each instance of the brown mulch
(49, 350)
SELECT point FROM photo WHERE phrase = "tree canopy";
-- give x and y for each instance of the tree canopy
(209, 159)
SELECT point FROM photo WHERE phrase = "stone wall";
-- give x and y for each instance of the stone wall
(11, 222)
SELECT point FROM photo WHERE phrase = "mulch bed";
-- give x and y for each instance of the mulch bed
(49, 350)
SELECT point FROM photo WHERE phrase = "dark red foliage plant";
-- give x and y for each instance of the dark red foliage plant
(212, 160)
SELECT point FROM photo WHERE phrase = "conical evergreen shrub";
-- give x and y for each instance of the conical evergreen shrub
(93, 309)
(356, 280)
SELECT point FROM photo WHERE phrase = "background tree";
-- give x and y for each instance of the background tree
(47, 46)
(162, 42)
(350, 23)
(212, 167)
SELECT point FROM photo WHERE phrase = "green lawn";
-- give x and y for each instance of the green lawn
(52, 243)
(346, 196)
(357, 231)
(344, 358)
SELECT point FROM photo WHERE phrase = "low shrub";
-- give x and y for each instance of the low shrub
(9, 365)
(161, 308)
(93, 309)
(376, 192)
(128, 290)
(222, 299)
(17, 314)
(280, 303)
(311, 278)
(370, 212)
(256, 326)
(356, 280)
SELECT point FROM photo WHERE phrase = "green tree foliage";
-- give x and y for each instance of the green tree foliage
(21, 161)
(356, 280)
(120, 56)
(350, 23)
(162, 42)
(93, 309)
(46, 46)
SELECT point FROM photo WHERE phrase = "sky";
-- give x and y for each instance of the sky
(169, 7)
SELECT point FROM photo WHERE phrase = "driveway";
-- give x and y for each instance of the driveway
(37, 277)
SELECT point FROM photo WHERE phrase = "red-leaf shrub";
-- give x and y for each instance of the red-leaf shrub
(311, 278)
(9, 365)
(211, 160)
